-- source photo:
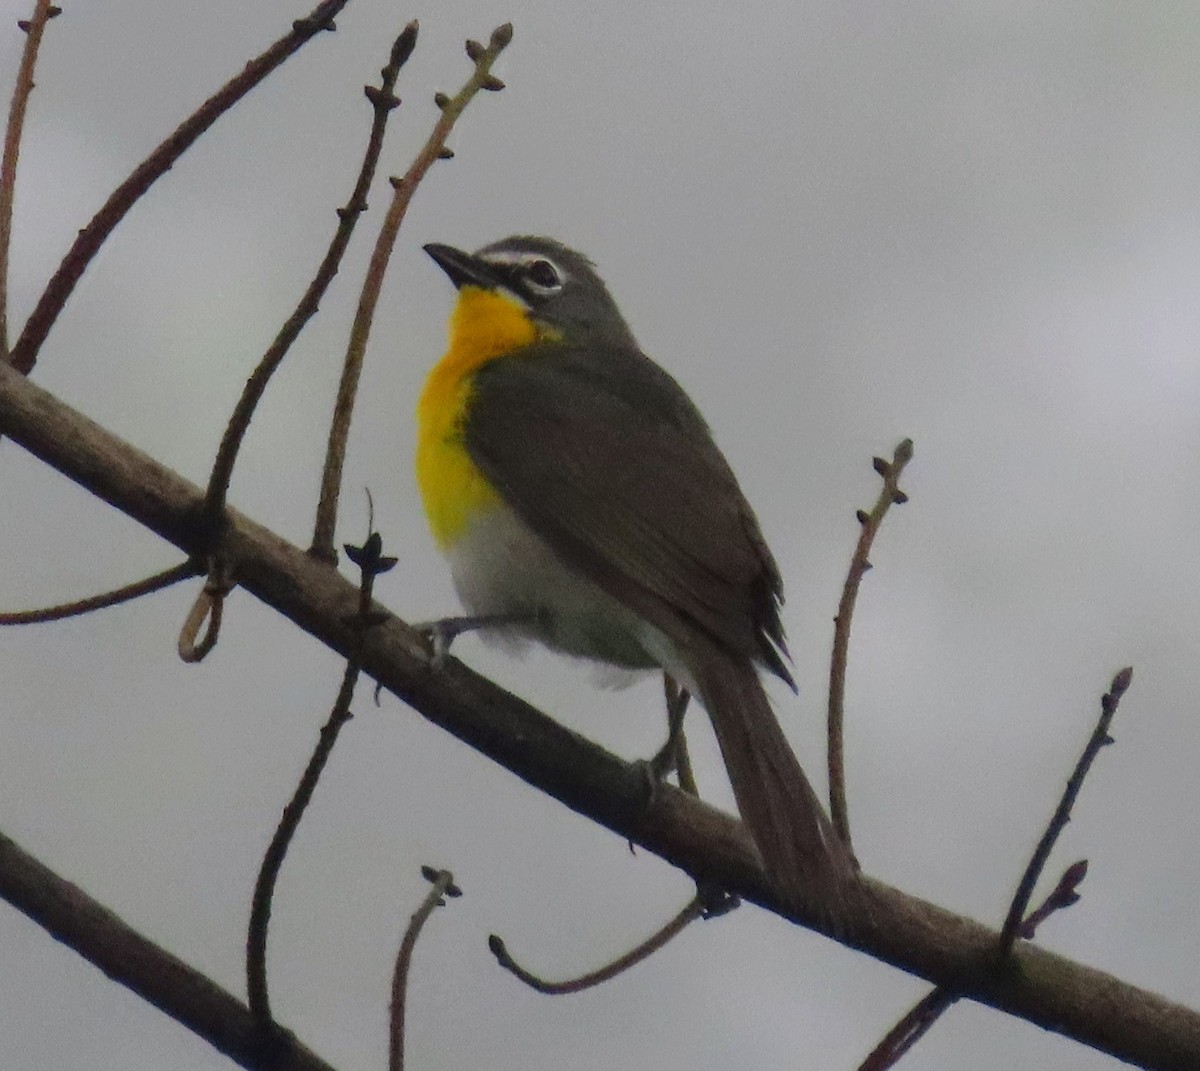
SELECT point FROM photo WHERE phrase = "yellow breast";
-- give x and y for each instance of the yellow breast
(485, 325)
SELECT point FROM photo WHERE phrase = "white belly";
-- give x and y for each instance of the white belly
(500, 566)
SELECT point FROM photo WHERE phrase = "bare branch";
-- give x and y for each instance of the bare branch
(889, 495)
(403, 190)
(918, 1021)
(89, 240)
(1090, 1006)
(1062, 813)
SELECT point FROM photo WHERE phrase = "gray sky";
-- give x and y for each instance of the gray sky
(836, 224)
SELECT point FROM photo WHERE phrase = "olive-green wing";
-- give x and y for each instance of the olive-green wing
(602, 454)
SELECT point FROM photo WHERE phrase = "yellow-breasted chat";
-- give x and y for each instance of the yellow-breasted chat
(580, 499)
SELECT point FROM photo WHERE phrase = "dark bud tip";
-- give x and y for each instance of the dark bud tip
(441, 100)
(496, 946)
(53, 12)
(453, 891)
(899, 498)
(1121, 682)
(867, 567)
(862, 515)
(1075, 873)
(474, 50)
(405, 43)
(385, 564)
(445, 153)
(491, 83)
(430, 873)
(358, 555)
(23, 25)
(904, 452)
(501, 36)
(884, 468)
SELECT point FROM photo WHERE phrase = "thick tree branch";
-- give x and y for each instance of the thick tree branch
(1090, 1006)
(187, 996)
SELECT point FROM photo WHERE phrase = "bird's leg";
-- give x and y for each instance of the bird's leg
(672, 755)
(445, 630)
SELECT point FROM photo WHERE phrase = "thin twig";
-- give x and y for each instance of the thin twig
(404, 188)
(1062, 813)
(43, 12)
(696, 908)
(442, 885)
(917, 1023)
(92, 237)
(208, 609)
(119, 595)
(909, 1030)
(384, 102)
(890, 494)
(371, 563)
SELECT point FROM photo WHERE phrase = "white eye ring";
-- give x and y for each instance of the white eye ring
(541, 276)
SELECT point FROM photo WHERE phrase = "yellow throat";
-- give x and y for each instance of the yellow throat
(485, 324)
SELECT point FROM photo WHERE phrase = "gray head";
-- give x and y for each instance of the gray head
(558, 286)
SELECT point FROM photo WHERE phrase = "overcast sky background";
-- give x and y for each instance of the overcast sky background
(837, 225)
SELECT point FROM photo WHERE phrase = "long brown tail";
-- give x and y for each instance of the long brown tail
(809, 866)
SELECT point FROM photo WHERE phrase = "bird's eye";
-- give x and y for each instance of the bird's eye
(544, 276)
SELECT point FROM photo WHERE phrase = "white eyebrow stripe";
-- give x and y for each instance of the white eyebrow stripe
(520, 258)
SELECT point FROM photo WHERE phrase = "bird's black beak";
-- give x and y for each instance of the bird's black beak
(463, 268)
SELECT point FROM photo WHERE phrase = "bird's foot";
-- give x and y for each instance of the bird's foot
(445, 630)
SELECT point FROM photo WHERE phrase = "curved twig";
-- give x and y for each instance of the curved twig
(207, 610)
(371, 562)
(443, 885)
(126, 593)
(696, 908)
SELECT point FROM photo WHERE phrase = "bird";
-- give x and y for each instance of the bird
(581, 501)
